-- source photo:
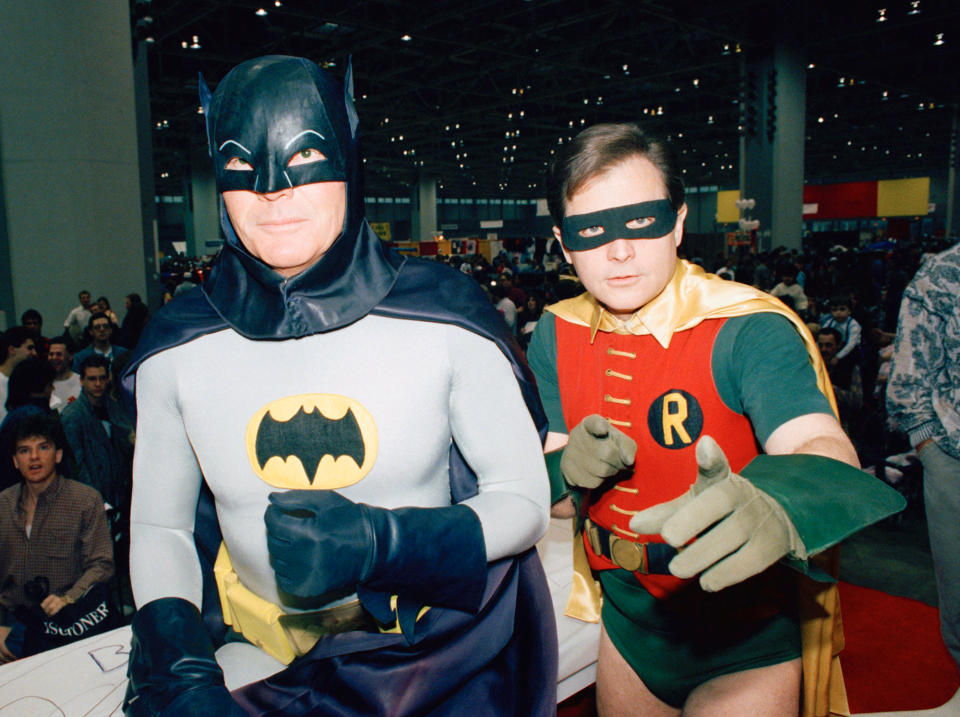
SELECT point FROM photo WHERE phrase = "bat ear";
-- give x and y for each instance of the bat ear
(348, 98)
(205, 99)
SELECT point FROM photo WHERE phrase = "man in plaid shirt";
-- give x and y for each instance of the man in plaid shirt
(51, 529)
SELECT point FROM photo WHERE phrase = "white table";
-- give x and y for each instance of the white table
(89, 678)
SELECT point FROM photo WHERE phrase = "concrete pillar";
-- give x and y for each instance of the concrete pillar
(202, 220)
(423, 212)
(148, 204)
(70, 185)
(772, 143)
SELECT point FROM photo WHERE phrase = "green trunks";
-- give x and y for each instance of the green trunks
(678, 644)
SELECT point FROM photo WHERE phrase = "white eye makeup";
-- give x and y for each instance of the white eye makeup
(598, 230)
(593, 231)
(236, 164)
(640, 222)
(306, 156)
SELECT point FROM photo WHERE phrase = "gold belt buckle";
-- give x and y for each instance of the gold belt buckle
(593, 536)
(628, 555)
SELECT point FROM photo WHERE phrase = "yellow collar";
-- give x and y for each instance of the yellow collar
(691, 296)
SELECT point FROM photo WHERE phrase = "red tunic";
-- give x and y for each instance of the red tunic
(664, 399)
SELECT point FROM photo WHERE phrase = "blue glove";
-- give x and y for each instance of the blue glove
(320, 542)
(172, 669)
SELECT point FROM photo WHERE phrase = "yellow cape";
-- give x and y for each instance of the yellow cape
(693, 296)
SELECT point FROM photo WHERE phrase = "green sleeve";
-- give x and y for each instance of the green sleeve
(825, 499)
(558, 486)
(762, 370)
(542, 357)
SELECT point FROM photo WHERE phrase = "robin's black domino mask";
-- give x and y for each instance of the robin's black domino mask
(646, 220)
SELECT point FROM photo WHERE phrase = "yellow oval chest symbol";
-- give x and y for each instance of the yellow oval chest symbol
(314, 440)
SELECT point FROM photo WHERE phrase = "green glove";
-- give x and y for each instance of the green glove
(752, 534)
(596, 450)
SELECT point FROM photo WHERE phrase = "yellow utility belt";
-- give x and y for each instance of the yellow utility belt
(280, 635)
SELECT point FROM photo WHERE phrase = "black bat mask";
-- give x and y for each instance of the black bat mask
(265, 117)
(287, 123)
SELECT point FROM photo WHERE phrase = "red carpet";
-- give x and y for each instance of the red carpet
(894, 658)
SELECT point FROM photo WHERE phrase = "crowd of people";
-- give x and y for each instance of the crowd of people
(405, 545)
(65, 495)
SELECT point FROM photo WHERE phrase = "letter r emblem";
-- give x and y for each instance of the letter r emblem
(674, 414)
(675, 419)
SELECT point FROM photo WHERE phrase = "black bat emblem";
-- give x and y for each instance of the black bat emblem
(310, 437)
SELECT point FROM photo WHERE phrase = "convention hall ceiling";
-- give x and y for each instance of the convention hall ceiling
(478, 93)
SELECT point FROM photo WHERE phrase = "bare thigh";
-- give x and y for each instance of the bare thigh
(620, 691)
(771, 691)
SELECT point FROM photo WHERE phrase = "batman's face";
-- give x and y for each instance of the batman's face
(276, 123)
(289, 230)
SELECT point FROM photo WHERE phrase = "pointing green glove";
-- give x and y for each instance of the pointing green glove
(596, 450)
(752, 534)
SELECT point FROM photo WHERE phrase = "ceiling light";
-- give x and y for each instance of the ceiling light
(406, 38)
(882, 15)
(914, 7)
(939, 40)
(260, 12)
